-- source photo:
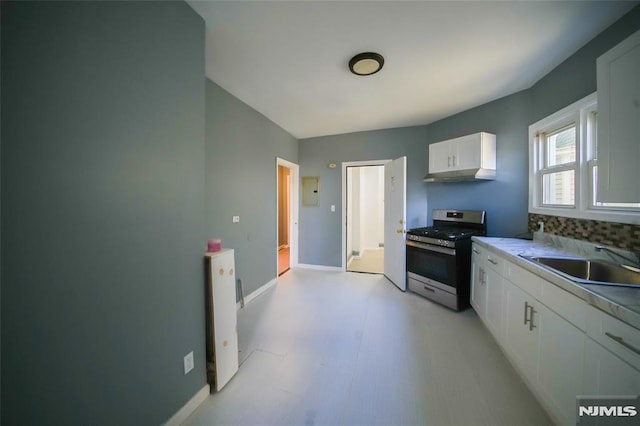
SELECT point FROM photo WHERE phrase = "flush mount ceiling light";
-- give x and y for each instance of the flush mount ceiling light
(366, 63)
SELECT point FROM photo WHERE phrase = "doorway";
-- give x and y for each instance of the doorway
(286, 216)
(365, 219)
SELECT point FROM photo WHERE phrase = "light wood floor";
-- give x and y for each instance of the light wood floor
(372, 261)
(335, 348)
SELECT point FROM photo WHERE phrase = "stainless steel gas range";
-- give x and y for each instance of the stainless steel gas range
(439, 256)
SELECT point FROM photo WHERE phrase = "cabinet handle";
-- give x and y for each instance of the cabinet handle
(533, 312)
(529, 320)
(475, 250)
(492, 261)
(429, 289)
(448, 161)
(620, 340)
(454, 160)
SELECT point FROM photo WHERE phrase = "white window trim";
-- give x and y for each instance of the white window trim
(578, 113)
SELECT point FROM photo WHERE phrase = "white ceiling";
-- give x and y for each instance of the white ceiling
(289, 59)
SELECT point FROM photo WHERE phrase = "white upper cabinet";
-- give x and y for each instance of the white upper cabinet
(467, 157)
(440, 156)
(619, 123)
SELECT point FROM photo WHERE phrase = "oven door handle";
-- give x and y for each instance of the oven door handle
(430, 247)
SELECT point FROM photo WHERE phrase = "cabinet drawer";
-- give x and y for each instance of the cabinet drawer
(478, 254)
(565, 304)
(433, 293)
(488, 259)
(524, 279)
(620, 338)
(495, 262)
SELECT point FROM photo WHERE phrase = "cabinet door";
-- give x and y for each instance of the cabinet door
(560, 363)
(493, 315)
(439, 157)
(520, 338)
(618, 118)
(605, 374)
(468, 153)
(478, 288)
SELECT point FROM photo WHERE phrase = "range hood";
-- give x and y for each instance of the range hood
(461, 175)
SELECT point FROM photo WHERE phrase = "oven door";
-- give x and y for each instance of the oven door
(433, 262)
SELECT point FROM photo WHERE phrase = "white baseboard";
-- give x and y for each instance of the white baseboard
(258, 292)
(187, 409)
(319, 267)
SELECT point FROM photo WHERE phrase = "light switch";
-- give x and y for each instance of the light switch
(333, 208)
(236, 219)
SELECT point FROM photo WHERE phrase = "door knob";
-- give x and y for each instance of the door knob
(400, 231)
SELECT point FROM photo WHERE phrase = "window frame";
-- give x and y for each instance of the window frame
(584, 207)
(545, 169)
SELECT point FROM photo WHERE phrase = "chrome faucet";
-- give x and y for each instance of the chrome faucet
(635, 261)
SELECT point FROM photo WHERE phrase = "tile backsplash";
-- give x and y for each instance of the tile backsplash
(621, 235)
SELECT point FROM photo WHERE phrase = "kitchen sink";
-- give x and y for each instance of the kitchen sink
(590, 271)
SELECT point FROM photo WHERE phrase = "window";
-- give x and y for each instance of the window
(563, 167)
(559, 168)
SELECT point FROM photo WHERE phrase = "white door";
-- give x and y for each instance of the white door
(292, 202)
(395, 218)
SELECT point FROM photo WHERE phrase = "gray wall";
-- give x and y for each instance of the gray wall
(103, 177)
(504, 199)
(321, 229)
(241, 150)
(575, 78)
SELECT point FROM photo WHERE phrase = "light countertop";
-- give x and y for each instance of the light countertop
(621, 302)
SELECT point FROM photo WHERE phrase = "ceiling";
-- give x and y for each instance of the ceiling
(289, 59)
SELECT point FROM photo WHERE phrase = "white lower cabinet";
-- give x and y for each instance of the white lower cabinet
(521, 337)
(486, 289)
(547, 349)
(560, 363)
(494, 306)
(562, 346)
(478, 288)
(612, 356)
(605, 374)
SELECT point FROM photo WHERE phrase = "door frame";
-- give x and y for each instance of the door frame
(293, 211)
(344, 200)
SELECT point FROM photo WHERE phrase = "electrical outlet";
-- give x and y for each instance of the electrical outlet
(188, 362)
(236, 219)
